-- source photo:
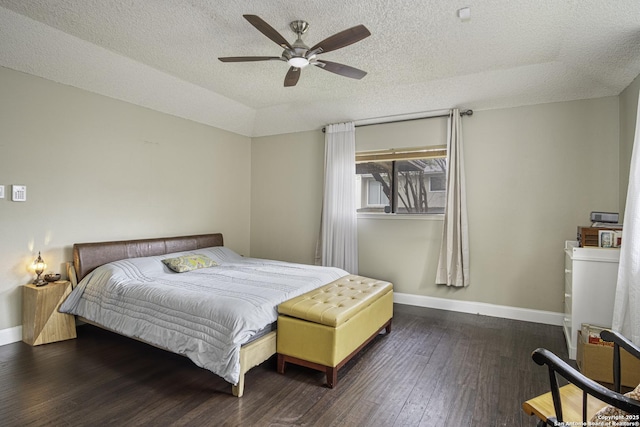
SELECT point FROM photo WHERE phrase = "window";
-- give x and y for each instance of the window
(438, 182)
(376, 196)
(409, 181)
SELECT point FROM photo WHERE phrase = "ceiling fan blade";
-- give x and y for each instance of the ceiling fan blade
(249, 58)
(341, 69)
(292, 77)
(342, 39)
(267, 30)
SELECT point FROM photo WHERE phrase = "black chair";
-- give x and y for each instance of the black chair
(578, 401)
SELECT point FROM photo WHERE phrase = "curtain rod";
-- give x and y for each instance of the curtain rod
(462, 113)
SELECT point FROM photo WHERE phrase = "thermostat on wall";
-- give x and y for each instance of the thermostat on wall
(19, 193)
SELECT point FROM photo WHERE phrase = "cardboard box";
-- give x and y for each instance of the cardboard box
(596, 362)
(591, 333)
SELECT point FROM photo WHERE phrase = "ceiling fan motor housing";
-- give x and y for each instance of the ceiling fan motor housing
(297, 55)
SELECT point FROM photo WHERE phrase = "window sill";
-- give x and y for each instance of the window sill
(401, 217)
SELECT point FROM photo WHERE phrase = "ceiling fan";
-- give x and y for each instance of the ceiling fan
(299, 55)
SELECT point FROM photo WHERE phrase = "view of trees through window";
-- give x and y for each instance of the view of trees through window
(415, 186)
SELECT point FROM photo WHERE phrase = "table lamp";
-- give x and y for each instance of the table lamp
(39, 266)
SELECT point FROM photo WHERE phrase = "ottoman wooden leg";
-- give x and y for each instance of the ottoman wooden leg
(332, 376)
(281, 362)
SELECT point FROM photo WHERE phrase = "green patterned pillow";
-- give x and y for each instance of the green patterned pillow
(189, 262)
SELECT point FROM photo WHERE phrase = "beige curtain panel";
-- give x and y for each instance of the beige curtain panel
(453, 264)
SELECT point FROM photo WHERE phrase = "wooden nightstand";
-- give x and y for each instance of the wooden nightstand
(41, 321)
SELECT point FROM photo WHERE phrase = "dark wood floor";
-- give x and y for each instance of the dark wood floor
(436, 368)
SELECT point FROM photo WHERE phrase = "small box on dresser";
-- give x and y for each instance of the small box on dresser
(41, 321)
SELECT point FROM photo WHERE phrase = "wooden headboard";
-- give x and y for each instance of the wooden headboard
(89, 256)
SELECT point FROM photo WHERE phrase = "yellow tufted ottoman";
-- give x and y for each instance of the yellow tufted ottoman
(326, 327)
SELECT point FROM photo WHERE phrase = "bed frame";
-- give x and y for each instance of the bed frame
(88, 256)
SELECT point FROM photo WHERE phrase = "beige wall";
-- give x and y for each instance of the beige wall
(533, 174)
(628, 116)
(100, 169)
(286, 195)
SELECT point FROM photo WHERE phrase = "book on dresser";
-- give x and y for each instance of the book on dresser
(591, 236)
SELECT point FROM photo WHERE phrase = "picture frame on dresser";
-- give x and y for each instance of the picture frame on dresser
(606, 238)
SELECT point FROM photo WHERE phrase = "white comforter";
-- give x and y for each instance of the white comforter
(204, 314)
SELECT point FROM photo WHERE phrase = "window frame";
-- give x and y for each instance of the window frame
(400, 154)
(380, 190)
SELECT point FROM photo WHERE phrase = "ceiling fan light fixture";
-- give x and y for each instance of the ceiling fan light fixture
(298, 61)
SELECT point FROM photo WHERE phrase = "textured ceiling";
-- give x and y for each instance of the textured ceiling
(420, 56)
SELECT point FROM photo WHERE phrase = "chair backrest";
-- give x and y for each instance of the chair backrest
(618, 341)
(557, 366)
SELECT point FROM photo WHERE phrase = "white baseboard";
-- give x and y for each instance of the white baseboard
(10, 335)
(503, 311)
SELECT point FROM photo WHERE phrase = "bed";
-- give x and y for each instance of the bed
(220, 313)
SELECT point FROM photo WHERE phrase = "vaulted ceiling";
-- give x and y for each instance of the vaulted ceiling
(420, 57)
